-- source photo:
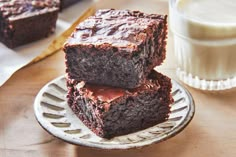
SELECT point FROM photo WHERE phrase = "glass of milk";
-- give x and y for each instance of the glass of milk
(204, 33)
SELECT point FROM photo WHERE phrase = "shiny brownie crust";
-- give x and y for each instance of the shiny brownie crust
(24, 21)
(135, 110)
(116, 48)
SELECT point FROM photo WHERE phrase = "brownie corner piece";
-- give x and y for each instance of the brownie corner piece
(116, 47)
(25, 21)
(110, 111)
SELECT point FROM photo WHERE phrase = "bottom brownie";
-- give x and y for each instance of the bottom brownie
(110, 111)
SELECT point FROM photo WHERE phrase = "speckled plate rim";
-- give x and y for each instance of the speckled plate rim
(83, 142)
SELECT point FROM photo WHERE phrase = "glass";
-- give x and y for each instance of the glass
(205, 46)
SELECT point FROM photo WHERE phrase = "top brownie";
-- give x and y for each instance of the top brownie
(116, 48)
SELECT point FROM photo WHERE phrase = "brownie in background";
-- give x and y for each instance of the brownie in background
(25, 21)
(117, 48)
(66, 3)
(110, 111)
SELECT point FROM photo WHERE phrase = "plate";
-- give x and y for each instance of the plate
(55, 116)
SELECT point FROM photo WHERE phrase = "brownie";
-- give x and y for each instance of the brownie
(24, 21)
(66, 3)
(116, 48)
(110, 111)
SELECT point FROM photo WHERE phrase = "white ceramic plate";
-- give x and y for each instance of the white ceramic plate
(56, 117)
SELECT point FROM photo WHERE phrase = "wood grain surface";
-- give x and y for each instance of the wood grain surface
(212, 131)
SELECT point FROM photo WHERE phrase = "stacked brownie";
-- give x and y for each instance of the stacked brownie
(112, 86)
(24, 21)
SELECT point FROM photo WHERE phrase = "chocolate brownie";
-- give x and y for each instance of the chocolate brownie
(116, 48)
(110, 111)
(66, 3)
(24, 21)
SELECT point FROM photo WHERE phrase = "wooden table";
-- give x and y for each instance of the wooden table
(212, 131)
